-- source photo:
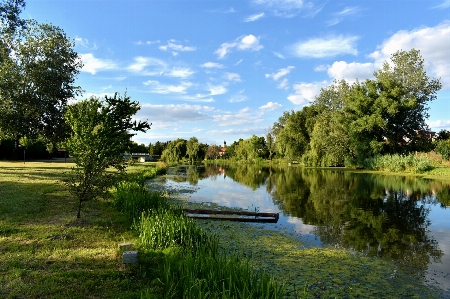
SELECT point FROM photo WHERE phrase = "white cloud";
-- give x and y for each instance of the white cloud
(326, 47)
(212, 65)
(244, 116)
(443, 5)
(216, 89)
(351, 71)
(283, 8)
(433, 43)
(348, 11)
(172, 113)
(141, 65)
(271, 106)
(157, 87)
(279, 55)
(254, 17)
(178, 72)
(306, 92)
(148, 66)
(232, 77)
(283, 84)
(281, 72)
(239, 97)
(173, 45)
(93, 65)
(441, 124)
(84, 42)
(243, 43)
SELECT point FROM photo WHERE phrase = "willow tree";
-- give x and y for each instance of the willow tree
(100, 133)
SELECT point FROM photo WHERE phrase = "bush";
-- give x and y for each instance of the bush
(443, 148)
(399, 163)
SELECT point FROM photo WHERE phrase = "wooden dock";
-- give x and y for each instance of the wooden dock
(240, 216)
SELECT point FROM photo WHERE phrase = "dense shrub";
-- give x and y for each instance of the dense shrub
(443, 148)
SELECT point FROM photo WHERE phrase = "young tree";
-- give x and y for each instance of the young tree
(100, 135)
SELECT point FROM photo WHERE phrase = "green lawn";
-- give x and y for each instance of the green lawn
(46, 252)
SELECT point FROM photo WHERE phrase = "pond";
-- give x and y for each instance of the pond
(401, 218)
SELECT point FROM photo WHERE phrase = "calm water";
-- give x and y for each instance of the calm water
(403, 219)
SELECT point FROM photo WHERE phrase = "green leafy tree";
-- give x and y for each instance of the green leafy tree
(212, 152)
(405, 88)
(192, 149)
(9, 15)
(175, 151)
(100, 134)
(37, 76)
(293, 139)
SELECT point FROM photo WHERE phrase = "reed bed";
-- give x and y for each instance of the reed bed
(205, 275)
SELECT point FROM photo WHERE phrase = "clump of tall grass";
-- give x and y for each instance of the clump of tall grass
(164, 228)
(132, 198)
(202, 274)
(399, 163)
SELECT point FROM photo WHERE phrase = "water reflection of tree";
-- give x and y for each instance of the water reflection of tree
(251, 175)
(361, 212)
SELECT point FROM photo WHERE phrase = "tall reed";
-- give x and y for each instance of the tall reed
(204, 275)
(171, 228)
(132, 198)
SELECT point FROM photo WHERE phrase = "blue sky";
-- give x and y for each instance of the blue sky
(224, 70)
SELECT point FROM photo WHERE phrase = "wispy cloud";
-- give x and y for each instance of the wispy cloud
(283, 8)
(281, 72)
(232, 77)
(279, 55)
(84, 42)
(176, 47)
(212, 65)
(148, 66)
(339, 16)
(173, 113)
(157, 87)
(242, 43)
(443, 5)
(254, 17)
(238, 97)
(326, 47)
(270, 106)
(93, 65)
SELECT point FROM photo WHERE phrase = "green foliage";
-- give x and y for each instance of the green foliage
(443, 148)
(132, 198)
(354, 122)
(9, 15)
(100, 135)
(193, 149)
(399, 163)
(174, 151)
(37, 76)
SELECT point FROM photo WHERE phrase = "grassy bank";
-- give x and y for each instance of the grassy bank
(45, 252)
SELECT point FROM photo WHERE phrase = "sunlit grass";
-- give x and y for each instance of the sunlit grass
(46, 252)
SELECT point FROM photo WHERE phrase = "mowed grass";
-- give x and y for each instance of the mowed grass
(46, 252)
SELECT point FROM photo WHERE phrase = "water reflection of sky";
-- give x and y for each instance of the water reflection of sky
(224, 191)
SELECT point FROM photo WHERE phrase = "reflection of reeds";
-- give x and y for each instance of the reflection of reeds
(196, 269)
